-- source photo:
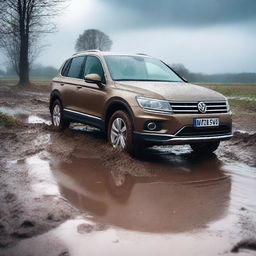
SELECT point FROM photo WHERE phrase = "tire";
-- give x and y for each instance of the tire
(58, 120)
(120, 131)
(205, 148)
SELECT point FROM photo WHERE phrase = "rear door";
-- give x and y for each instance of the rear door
(72, 78)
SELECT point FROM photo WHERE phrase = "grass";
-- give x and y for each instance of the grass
(8, 81)
(6, 120)
(243, 96)
(243, 106)
(234, 90)
(37, 83)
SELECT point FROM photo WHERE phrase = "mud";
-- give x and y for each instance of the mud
(70, 193)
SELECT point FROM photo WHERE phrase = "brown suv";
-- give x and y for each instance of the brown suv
(138, 101)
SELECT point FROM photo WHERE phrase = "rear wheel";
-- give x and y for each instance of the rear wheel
(58, 119)
(205, 148)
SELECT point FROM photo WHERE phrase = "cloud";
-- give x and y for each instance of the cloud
(186, 13)
(205, 35)
(207, 50)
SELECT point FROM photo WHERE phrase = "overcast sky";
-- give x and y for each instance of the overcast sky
(211, 36)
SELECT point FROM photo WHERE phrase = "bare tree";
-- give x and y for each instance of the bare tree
(21, 24)
(93, 39)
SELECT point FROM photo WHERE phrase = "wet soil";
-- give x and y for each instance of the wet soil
(70, 193)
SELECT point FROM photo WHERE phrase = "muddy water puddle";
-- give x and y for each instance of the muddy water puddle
(171, 200)
(43, 181)
(187, 205)
(26, 116)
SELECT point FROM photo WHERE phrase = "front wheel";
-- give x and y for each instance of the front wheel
(205, 147)
(120, 131)
(58, 119)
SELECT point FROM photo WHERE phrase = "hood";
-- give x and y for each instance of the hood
(173, 91)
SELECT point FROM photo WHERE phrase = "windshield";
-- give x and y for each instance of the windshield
(135, 68)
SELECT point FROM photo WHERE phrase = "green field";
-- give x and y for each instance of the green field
(242, 97)
(37, 83)
(237, 90)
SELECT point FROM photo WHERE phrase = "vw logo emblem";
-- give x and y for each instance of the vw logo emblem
(202, 107)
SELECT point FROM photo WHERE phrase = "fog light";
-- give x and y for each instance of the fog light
(151, 126)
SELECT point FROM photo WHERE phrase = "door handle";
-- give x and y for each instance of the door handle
(79, 87)
(61, 84)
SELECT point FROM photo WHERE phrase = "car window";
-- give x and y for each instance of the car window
(76, 67)
(65, 68)
(93, 66)
(154, 70)
(137, 68)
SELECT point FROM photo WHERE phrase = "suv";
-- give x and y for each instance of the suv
(138, 101)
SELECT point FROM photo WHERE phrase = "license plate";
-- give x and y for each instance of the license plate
(206, 122)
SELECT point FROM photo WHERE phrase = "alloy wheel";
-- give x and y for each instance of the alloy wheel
(118, 133)
(56, 115)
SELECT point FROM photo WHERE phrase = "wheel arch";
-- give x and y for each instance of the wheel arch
(113, 106)
(54, 95)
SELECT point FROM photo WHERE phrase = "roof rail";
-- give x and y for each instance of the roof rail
(93, 50)
(142, 54)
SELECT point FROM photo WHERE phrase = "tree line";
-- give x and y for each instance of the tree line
(37, 70)
(214, 78)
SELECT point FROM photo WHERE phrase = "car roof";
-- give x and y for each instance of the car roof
(104, 53)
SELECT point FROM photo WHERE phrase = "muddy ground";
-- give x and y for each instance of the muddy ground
(70, 193)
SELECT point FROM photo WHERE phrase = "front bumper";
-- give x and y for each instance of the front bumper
(167, 139)
(178, 128)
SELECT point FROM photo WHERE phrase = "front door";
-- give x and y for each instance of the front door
(91, 98)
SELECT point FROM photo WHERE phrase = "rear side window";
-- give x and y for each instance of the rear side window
(75, 69)
(93, 66)
(65, 68)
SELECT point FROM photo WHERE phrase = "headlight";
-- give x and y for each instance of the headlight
(154, 105)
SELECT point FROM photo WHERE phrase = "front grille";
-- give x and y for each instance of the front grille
(188, 131)
(191, 107)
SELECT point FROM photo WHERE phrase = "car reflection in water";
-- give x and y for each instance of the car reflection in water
(185, 192)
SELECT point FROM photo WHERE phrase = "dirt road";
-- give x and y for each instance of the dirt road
(70, 193)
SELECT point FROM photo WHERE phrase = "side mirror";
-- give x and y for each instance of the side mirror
(94, 79)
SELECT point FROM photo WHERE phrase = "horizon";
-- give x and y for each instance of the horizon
(206, 37)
